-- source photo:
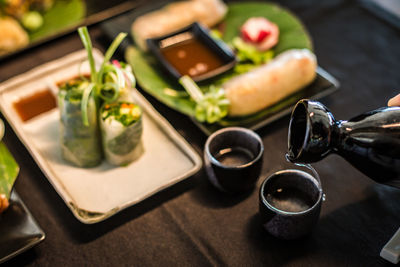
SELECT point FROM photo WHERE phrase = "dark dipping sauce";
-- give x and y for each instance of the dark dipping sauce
(192, 57)
(33, 105)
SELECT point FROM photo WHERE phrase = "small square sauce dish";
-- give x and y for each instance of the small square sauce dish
(192, 51)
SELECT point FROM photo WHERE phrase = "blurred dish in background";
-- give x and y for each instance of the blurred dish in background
(13, 35)
(27, 23)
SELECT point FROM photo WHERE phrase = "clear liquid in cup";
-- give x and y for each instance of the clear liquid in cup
(234, 156)
(290, 199)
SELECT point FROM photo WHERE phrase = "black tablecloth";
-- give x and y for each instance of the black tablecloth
(191, 223)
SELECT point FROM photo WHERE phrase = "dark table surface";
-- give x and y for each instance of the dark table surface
(193, 224)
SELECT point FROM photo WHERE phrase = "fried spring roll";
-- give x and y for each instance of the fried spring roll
(12, 35)
(268, 84)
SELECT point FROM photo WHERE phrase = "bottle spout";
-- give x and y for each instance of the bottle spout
(370, 141)
(310, 130)
(290, 157)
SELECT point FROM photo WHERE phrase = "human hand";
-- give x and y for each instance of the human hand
(395, 101)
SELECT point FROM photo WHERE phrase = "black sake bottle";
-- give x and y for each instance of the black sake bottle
(370, 141)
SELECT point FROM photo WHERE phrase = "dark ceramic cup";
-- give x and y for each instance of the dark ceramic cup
(233, 159)
(290, 203)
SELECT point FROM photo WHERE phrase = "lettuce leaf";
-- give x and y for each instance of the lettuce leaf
(9, 170)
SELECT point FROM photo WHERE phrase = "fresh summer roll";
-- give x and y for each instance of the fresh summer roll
(128, 84)
(80, 143)
(121, 127)
(122, 77)
(175, 16)
(266, 85)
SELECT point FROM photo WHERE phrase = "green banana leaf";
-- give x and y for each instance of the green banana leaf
(152, 78)
(9, 170)
(292, 32)
(63, 15)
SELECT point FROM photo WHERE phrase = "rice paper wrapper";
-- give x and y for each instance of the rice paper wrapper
(80, 144)
(125, 95)
(121, 144)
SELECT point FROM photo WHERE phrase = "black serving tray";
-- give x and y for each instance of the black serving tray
(18, 229)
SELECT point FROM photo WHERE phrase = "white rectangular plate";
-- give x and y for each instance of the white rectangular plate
(95, 194)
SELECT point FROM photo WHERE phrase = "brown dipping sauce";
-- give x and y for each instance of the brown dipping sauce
(33, 105)
(192, 57)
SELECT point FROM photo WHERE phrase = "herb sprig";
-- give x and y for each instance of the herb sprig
(211, 106)
(106, 82)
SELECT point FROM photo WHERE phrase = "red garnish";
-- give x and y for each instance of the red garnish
(116, 63)
(262, 35)
(260, 32)
(246, 36)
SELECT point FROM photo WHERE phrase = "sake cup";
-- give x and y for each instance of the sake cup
(290, 203)
(233, 159)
